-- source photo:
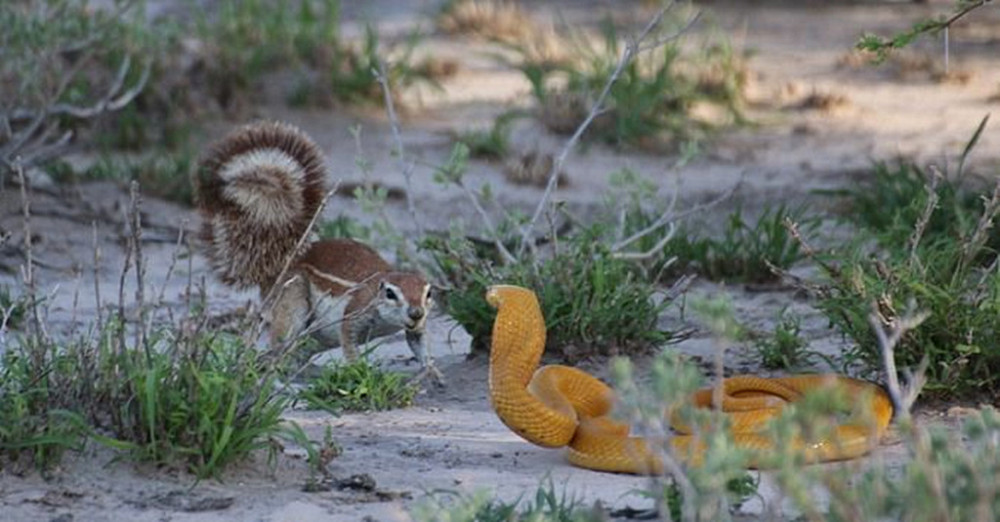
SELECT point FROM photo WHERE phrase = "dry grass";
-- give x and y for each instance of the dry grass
(824, 101)
(533, 168)
(503, 21)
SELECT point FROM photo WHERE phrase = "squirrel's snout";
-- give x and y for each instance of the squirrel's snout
(416, 313)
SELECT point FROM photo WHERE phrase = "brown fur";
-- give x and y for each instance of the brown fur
(244, 253)
(339, 267)
(343, 258)
(258, 190)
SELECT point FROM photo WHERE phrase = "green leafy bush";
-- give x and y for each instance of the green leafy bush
(741, 254)
(939, 248)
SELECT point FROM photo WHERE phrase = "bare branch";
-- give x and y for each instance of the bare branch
(666, 217)
(669, 217)
(904, 397)
(655, 249)
(400, 152)
(28, 270)
(488, 223)
(110, 102)
(97, 279)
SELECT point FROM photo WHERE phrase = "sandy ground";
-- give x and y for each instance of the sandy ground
(451, 440)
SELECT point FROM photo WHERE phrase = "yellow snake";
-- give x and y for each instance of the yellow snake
(557, 406)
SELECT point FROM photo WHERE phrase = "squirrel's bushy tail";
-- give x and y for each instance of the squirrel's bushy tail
(257, 190)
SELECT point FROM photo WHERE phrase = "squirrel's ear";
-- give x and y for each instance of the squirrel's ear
(381, 285)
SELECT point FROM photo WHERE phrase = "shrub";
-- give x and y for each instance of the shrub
(942, 254)
(64, 65)
(592, 301)
(744, 251)
(959, 338)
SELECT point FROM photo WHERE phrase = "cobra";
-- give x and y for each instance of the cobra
(556, 406)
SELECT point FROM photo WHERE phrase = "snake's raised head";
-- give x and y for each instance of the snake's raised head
(496, 295)
(519, 325)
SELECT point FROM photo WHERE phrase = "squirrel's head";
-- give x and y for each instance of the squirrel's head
(404, 299)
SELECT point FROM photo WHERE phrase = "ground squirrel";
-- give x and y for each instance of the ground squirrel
(258, 189)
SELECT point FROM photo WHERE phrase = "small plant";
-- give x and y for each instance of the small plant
(358, 386)
(207, 411)
(744, 251)
(958, 339)
(547, 505)
(784, 349)
(199, 402)
(592, 301)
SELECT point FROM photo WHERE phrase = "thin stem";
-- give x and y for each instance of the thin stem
(400, 152)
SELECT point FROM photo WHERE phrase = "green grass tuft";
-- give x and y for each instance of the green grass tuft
(358, 386)
(784, 349)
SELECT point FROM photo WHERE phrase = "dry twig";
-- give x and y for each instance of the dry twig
(903, 397)
(399, 152)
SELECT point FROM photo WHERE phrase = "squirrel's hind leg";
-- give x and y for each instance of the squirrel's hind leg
(289, 316)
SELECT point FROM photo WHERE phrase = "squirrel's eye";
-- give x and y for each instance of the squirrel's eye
(390, 294)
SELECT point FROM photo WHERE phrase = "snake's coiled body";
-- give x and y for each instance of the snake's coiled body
(555, 406)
